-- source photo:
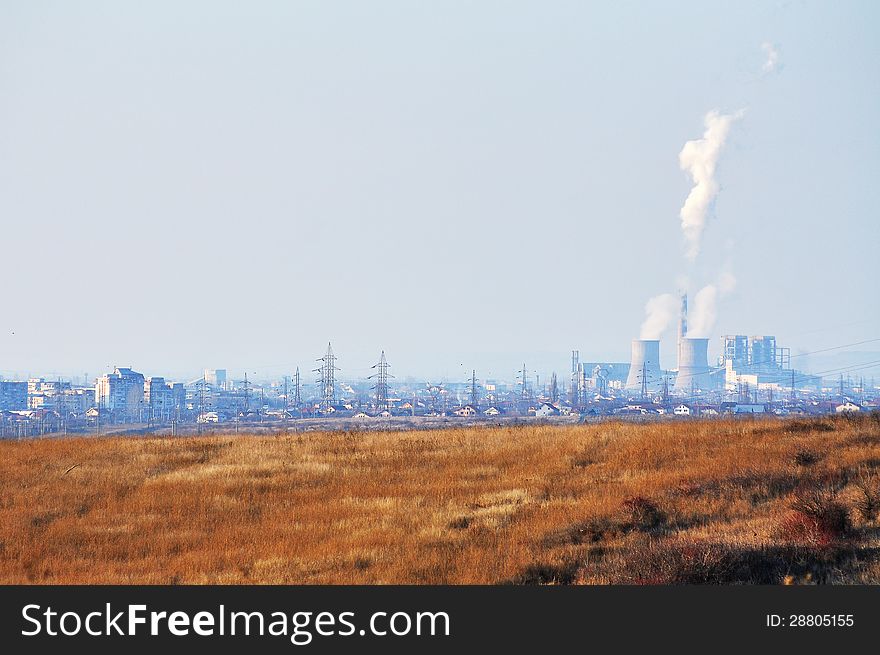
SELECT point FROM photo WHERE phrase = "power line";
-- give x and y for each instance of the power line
(825, 350)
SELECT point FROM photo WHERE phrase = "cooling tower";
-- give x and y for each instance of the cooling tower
(645, 359)
(693, 365)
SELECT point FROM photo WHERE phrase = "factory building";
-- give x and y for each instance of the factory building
(758, 362)
(601, 377)
(216, 378)
(753, 354)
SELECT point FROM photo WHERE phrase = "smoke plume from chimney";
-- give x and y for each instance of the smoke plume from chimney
(704, 306)
(699, 158)
(659, 313)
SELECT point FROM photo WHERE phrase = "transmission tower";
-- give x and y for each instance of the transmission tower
(381, 376)
(554, 389)
(327, 379)
(575, 383)
(475, 396)
(524, 394)
(297, 392)
(247, 395)
(201, 388)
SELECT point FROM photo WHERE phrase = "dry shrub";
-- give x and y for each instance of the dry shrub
(865, 439)
(676, 562)
(810, 425)
(867, 503)
(460, 523)
(805, 458)
(548, 574)
(817, 518)
(681, 560)
(587, 532)
(643, 513)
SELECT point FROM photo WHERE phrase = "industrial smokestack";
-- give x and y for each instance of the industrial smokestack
(682, 322)
(683, 317)
(645, 365)
(693, 365)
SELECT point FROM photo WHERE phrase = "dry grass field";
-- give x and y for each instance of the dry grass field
(677, 502)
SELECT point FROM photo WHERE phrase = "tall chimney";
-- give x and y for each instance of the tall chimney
(682, 321)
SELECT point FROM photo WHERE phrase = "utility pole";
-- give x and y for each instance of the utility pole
(100, 409)
(381, 376)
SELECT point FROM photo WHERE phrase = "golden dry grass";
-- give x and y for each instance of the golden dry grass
(483, 505)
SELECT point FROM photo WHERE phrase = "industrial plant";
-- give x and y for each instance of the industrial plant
(752, 375)
(747, 364)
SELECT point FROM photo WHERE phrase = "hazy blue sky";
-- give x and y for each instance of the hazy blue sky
(464, 184)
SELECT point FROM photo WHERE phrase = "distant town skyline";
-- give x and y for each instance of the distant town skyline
(216, 185)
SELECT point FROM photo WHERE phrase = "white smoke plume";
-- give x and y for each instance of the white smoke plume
(726, 283)
(704, 308)
(772, 57)
(659, 313)
(699, 158)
